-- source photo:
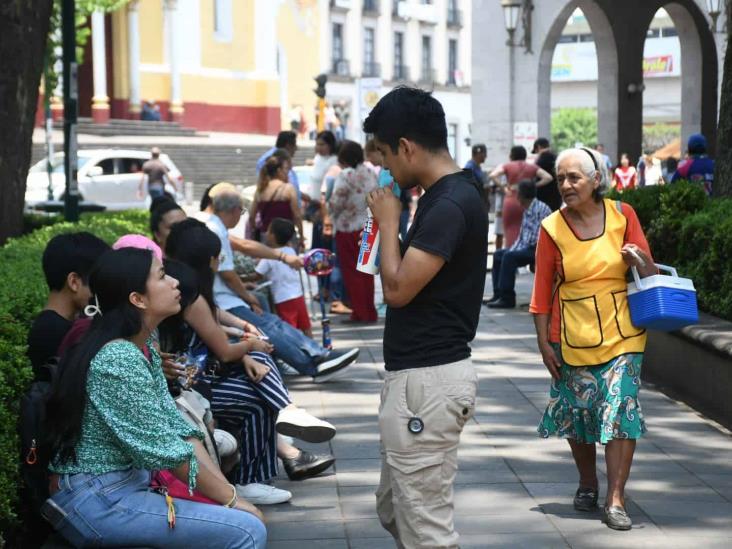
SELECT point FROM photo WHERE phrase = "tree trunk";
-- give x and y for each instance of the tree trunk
(24, 30)
(723, 168)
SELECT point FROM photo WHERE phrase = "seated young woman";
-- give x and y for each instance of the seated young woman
(107, 433)
(250, 399)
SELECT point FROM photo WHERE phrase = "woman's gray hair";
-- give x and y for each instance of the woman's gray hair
(225, 202)
(589, 168)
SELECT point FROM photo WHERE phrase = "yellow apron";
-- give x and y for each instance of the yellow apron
(593, 299)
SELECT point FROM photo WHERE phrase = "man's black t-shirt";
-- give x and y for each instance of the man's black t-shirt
(549, 194)
(437, 325)
(45, 336)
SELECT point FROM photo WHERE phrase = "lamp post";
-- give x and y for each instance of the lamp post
(511, 10)
(715, 9)
(71, 108)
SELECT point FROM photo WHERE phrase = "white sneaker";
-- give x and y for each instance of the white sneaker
(262, 494)
(225, 442)
(287, 370)
(297, 423)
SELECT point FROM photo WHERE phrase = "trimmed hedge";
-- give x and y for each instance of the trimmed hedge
(23, 294)
(693, 233)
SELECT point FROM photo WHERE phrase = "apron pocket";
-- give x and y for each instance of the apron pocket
(581, 323)
(622, 316)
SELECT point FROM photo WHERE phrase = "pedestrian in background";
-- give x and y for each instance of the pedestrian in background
(625, 176)
(546, 159)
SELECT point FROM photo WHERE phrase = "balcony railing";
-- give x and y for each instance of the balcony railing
(371, 7)
(428, 77)
(401, 72)
(341, 67)
(454, 18)
(371, 69)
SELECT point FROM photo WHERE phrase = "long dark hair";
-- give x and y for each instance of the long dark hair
(194, 244)
(113, 278)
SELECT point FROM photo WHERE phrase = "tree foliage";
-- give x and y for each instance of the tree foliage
(571, 126)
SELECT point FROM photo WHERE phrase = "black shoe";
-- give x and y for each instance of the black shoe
(491, 300)
(617, 519)
(585, 499)
(334, 362)
(307, 465)
(503, 304)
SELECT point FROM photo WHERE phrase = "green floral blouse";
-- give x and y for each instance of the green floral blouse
(130, 420)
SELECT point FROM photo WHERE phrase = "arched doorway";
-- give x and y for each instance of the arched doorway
(607, 68)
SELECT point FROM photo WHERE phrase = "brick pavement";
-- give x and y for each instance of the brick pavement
(513, 489)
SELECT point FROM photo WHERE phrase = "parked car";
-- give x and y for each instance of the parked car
(109, 177)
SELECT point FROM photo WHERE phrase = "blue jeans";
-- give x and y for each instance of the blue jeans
(156, 191)
(290, 344)
(119, 509)
(505, 263)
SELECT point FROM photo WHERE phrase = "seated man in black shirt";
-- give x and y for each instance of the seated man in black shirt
(433, 286)
(67, 261)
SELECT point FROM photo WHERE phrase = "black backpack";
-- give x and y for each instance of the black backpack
(34, 454)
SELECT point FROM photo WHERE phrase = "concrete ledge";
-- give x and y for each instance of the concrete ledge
(694, 365)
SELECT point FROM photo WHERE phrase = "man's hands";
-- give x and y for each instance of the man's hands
(255, 370)
(385, 207)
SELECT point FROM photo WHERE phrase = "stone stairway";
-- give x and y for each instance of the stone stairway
(116, 127)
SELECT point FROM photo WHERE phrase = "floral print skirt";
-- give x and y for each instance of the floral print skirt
(596, 403)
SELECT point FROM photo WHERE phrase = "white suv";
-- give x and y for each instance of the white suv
(109, 177)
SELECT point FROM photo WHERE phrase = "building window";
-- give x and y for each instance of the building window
(370, 67)
(223, 18)
(340, 64)
(427, 59)
(452, 61)
(400, 71)
(453, 14)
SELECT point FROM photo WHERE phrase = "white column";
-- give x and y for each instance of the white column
(100, 101)
(176, 97)
(133, 55)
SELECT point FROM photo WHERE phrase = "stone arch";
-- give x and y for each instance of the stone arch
(699, 70)
(607, 65)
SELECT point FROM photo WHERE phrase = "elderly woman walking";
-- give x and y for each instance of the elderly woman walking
(585, 334)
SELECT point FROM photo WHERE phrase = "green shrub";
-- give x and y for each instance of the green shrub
(692, 233)
(22, 295)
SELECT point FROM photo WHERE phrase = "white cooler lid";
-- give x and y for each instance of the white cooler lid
(662, 281)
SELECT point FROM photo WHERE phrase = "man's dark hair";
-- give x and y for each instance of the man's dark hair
(286, 138)
(282, 229)
(70, 253)
(518, 152)
(478, 149)
(350, 154)
(156, 216)
(541, 143)
(527, 189)
(408, 113)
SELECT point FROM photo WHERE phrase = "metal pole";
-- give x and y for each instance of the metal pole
(511, 86)
(71, 108)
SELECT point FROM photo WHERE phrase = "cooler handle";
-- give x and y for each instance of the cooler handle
(661, 267)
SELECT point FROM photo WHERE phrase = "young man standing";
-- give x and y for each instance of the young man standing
(433, 287)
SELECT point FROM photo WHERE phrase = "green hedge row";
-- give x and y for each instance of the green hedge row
(693, 233)
(23, 293)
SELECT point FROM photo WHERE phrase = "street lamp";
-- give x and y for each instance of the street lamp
(511, 10)
(715, 9)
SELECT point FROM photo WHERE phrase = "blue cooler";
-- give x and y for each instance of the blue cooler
(662, 302)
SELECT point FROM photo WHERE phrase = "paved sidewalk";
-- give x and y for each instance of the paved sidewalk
(513, 489)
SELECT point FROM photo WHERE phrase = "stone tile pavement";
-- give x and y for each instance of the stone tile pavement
(513, 488)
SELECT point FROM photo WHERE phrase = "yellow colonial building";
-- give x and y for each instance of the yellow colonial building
(216, 65)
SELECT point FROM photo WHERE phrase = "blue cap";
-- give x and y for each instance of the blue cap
(697, 144)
